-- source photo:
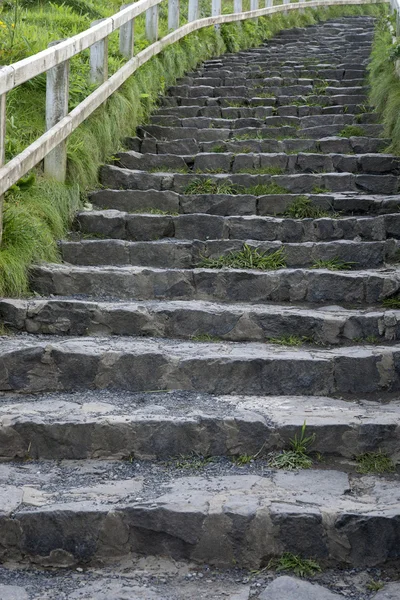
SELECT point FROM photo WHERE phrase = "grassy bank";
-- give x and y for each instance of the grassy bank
(385, 82)
(37, 213)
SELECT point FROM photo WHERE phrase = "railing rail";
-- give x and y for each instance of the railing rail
(54, 61)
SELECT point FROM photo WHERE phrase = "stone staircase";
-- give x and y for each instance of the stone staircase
(143, 349)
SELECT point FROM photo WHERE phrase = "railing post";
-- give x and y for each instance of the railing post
(216, 11)
(99, 59)
(57, 94)
(193, 10)
(152, 23)
(126, 36)
(173, 15)
(253, 4)
(3, 127)
(237, 6)
(286, 2)
(269, 3)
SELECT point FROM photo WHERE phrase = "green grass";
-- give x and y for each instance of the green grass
(290, 340)
(263, 171)
(205, 337)
(302, 567)
(247, 258)
(35, 218)
(393, 302)
(297, 457)
(385, 84)
(208, 186)
(194, 461)
(374, 462)
(334, 264)
(375, 586)
(219, 148)
(303, 208)
(352, 131)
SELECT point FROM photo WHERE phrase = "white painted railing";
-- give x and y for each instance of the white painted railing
(51, 146)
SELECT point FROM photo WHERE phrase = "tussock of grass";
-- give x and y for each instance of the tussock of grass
(335, 264)
(291, 340)
(302, 567)
(352, 131)
(247, 258)
(297, 456)
(303, 208)
(393, 302)
(374, 462)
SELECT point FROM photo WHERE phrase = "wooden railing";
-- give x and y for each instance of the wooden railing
(51, 146)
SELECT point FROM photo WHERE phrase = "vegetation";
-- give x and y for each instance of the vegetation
(298, 455)
(37, 216)
(291, 340)
(205, 337)
(302, 567)
(247, 258)
(385, 83)
(393, 302)
(303, 208)
(334, 264)
(375, 586)
(352, 131)
(215, 186)
(374, 462)
(191, 461)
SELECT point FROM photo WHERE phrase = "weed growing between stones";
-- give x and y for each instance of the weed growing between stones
(352, 131)
(374, 462)
(319, 190)
(264, 171)
(205, 337)
(190, 461)
(302, 567)
(291, 340)
(208, 186)
(375, 586)
(393, 302)
(303, 208)
(167, 169)
(218, 148)
(334, 264)
(247, 258)
(297, 457)
(152, 211)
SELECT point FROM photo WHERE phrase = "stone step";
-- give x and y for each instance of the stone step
(195, 91)
(34, 364)
(243, 109)
(234, 122)
(276, 163)
(146, 227)
(70, 514)
(206, 320)
(188, 254)
(163, 133)
(338, 145)
(240, 183)
(233, 285)
(100, 424)
(146, 201)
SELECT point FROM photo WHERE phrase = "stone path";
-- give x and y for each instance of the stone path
(136, 351)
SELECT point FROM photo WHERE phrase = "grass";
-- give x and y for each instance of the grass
(263, 171)
(393, 302)
(194, 461)
(247, 258)
(302, 567)
(303, 208)
(352, 131)
(291, 340)
(374, 462)
(297, 456)
(205, 337)
(219, 148)
(375, 586)
(153, 211)
(334, 264)
(210, 186)
(385, 84)
(35, 217)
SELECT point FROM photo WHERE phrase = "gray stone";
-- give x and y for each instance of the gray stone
(13, 592)
(391, 591)
(290, 588)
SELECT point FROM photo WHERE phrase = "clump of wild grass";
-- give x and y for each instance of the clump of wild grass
(247, 258)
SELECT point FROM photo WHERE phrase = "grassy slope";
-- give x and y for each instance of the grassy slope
(385, 83)
(37, 215)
